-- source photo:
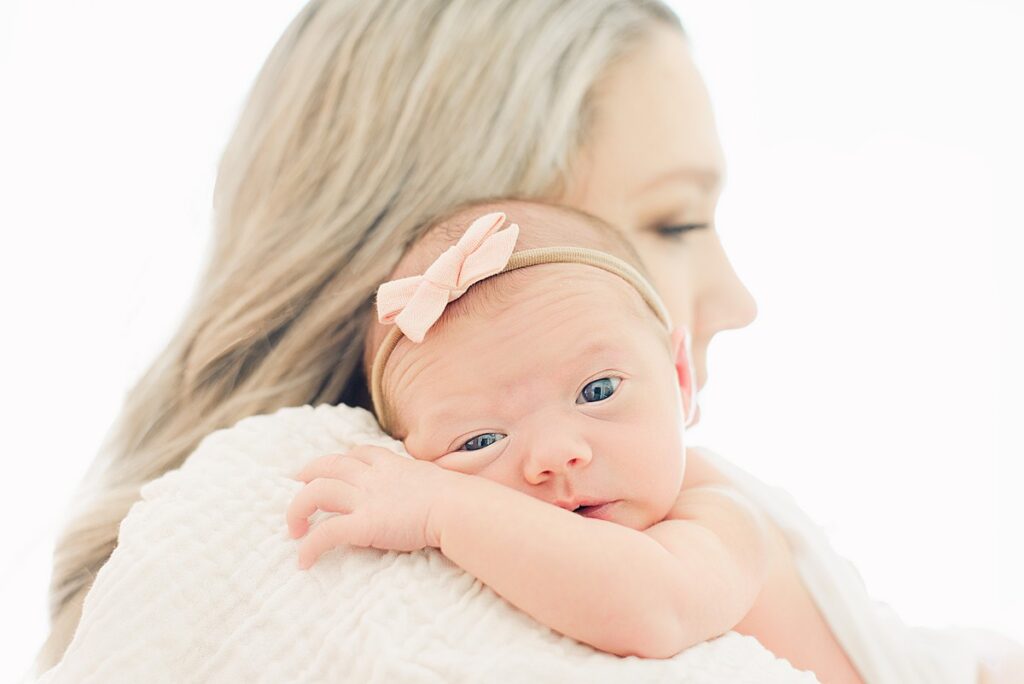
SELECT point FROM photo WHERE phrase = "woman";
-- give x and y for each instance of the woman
(367, 119)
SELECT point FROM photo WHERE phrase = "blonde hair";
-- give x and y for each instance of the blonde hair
(367, 119)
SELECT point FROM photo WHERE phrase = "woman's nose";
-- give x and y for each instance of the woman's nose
(553, 453)
(743, 306)
(727, 304)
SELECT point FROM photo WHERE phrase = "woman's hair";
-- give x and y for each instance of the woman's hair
(367, 120)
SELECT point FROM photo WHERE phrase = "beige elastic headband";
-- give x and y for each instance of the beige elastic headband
(523, 259)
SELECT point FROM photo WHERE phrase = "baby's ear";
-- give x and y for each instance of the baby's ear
(683, 359)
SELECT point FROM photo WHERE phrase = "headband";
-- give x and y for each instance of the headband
(415, 303)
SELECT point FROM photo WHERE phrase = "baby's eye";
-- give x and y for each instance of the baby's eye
(481, 441)
(598, 390)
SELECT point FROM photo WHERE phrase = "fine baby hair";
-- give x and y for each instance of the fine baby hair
(414, 304)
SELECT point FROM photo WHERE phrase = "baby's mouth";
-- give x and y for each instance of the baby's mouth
(595, 510)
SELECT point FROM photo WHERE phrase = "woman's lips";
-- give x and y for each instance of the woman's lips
(600, 512)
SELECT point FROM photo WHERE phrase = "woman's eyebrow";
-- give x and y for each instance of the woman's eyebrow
(710, 179)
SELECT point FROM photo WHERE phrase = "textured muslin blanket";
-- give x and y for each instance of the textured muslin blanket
(204, 587)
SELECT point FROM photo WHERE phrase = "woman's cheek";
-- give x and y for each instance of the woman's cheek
(672, 276)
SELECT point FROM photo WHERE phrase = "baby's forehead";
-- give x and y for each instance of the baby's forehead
(553, 303)
(551, 294)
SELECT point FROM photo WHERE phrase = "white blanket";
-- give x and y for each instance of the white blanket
(881, 647)
(204, 587)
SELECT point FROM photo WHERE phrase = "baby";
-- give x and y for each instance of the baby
(544, 396)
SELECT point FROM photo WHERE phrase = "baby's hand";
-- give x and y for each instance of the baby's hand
(385, 501)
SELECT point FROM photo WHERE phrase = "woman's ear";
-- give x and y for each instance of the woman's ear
(683, 359)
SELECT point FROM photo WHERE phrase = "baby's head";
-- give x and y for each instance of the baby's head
(561, 380)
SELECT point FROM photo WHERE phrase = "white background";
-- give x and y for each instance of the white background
(873, 208)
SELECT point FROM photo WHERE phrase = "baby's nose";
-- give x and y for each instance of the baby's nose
(556, 453)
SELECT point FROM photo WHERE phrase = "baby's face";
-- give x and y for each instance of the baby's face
(565, 391)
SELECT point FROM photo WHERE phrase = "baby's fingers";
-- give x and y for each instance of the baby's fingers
(325, 494)
(331, 465)
(335, 531)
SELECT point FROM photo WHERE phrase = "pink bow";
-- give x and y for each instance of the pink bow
(415, 303)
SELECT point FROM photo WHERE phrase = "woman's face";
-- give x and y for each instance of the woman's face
(653, 165)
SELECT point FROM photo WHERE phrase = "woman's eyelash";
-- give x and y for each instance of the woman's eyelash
(680, 229)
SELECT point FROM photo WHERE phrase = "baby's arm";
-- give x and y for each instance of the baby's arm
(721, 540)
(651, 593)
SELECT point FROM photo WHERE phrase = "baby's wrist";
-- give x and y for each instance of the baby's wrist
(450, 491)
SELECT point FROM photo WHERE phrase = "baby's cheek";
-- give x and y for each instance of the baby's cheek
(663, 442)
